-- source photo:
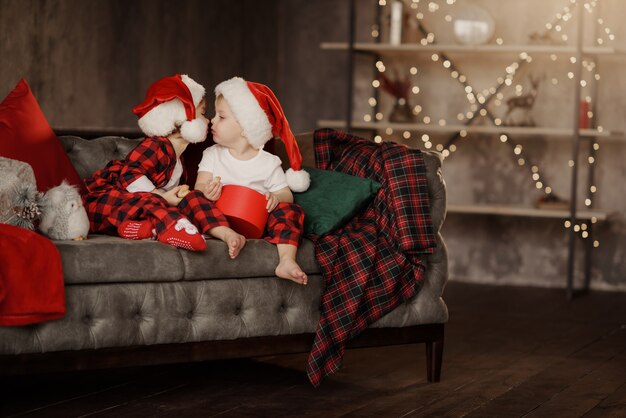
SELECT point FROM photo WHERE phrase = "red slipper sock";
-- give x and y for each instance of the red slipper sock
(183, 234)
(135, 229)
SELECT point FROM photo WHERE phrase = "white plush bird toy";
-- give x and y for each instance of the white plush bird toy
(63, 215)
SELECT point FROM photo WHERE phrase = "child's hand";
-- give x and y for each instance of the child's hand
(171, 195)
(213, 189)
(183, 191)
(272, 201)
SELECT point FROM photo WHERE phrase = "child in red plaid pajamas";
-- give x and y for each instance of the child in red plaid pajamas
(247, 115)
(140, 197)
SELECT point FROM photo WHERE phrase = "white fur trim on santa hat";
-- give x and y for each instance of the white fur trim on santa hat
(195, 131)
(298, 181)
(162, 120)
(247, 110)
(197, 91)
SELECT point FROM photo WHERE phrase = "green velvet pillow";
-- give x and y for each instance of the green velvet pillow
(332, 199)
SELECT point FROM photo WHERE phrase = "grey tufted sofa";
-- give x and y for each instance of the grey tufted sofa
(143, 302)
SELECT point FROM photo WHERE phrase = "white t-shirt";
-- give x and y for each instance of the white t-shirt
(143, 183)
(262, 173)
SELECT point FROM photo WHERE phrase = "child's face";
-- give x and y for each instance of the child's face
(201, 108)
(225, 127)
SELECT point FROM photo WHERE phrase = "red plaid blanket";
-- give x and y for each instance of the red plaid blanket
(371, 264)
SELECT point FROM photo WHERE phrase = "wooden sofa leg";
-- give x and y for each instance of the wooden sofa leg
(434, 358)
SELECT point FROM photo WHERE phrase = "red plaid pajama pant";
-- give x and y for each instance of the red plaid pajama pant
(285, 224)
(108, 210)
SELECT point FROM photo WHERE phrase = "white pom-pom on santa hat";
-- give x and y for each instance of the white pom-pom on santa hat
(171, 103)
(261, 117)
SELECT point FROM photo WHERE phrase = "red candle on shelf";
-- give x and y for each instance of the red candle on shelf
(583, 118)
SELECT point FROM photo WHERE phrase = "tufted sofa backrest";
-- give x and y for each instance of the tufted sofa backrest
(91, 155)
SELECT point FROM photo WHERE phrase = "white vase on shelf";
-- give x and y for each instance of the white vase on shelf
(473, 25)
(395, 24)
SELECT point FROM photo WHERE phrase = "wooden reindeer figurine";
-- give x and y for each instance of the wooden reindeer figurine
(523, 104)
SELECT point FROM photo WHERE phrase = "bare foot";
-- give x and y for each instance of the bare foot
(235, 243)
(287, 268)
(234, 240)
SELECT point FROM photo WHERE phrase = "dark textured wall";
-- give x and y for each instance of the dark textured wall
(89, 62)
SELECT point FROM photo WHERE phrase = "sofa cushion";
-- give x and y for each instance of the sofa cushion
(106, 259)
(25, 135)
(258, 258)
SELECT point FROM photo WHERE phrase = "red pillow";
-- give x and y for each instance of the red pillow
(26, 136)
(31, 286)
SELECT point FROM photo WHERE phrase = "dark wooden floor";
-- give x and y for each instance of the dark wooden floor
(510, 352)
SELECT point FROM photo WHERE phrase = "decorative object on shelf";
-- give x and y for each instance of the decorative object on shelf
(399, 89)
(520, 107)
(552, 201)
(545, 38)
(395, 24)
(473, 25)
(583, 121)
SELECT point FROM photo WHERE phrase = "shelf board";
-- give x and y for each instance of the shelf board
(484, 49)
(562, 133)
(527, 212)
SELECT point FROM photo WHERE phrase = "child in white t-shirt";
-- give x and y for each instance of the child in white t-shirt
(247, 115)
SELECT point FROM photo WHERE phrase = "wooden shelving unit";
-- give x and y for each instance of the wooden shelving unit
(574, 135)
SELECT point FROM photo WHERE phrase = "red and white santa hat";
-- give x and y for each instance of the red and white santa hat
(261, 117)
(170, 103)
